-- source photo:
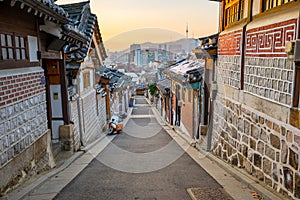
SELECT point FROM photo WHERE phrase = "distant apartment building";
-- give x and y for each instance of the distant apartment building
(132, 53)
(138, 57)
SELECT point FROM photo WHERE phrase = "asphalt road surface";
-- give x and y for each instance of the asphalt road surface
(141, 163)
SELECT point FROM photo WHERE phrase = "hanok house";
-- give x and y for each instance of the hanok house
(164, 86)
(256, 118)
(117, 87)
(32, 34)
(186, 95)
(88, 112)
(207, 51)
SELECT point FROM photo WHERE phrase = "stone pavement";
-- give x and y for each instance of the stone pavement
(234, 182)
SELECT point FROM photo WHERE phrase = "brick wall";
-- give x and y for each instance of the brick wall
(23, 113)
(230, 43)
(270, 40)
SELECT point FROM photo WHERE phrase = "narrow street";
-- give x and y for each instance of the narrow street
(143, 162)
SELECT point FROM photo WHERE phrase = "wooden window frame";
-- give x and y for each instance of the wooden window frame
(15, 63)
(20, 48)
(14, 47)
(233, 12)
(267, 5)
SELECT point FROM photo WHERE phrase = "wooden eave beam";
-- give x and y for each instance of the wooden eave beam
(47, 11)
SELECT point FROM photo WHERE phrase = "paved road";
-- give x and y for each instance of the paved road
(142, 162)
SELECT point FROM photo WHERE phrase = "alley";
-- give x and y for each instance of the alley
(142, 162)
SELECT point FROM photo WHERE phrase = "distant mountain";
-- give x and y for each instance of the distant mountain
(178, 43)
(145, 35)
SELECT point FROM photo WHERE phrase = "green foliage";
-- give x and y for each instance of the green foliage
(153, 89)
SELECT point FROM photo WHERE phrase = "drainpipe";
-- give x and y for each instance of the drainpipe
(171, 108)
(211, 111)
(199, 110)
(79, 115)
(193, 123)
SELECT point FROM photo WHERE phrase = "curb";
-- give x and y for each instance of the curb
(239, 175)
(242, 177)
(25, 191)
(189, 191)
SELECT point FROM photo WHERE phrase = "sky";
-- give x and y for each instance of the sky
(123, 22)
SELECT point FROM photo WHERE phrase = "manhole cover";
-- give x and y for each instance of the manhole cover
(208, 194)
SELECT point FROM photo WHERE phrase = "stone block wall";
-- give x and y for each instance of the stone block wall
(91, 124)
(263, 146)
(251, 126)
(76, 126)
(229, 70)
(269, 78)
(101, 112)
(23, 116)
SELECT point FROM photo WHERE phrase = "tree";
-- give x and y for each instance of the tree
(153, 89)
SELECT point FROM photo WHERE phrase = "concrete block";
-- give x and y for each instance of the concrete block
(66, 137)
(66, 131)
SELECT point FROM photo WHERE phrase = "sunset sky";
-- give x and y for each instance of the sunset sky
(123, 22)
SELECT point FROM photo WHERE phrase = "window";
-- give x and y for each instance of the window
(20, 48)
(269, 4)
(234, 11)
(13, 47)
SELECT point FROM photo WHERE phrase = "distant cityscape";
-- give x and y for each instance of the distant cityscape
(150, 55)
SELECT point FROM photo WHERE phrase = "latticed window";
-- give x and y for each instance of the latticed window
(269, 4)
(20, 48)
(234, 11)
(13, 47)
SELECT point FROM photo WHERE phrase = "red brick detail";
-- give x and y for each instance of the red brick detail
(18, 87)
(270, 40)
(230, 43)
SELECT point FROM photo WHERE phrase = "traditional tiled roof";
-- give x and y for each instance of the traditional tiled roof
(164, 84)
(208, 46)
(179, 71)
(116, 78)
(42, 8)
(86, 22)
(50, 11)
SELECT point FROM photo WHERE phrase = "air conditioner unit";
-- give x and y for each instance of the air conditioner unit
(292, 48)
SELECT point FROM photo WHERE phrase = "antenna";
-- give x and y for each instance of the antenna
(187, 39)
(187, 31)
